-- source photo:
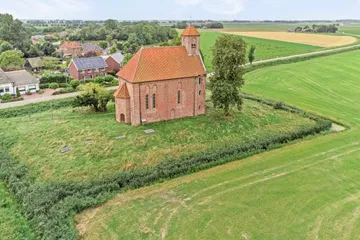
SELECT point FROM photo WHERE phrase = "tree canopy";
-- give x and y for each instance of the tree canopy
(229, 57)
(12, 30)
(94, 96)
(12, 58)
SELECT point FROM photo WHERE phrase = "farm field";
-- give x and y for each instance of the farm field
(309, 190)
(38, 138)
(265, 49)
(303, 38)
(12, 223)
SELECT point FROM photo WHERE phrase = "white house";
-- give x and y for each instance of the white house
(22, 80)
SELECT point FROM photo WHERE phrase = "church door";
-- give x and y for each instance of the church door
(122, 118)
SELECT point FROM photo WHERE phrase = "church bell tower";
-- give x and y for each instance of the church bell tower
(191, 40)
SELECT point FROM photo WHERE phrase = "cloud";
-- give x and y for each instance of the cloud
(227, 7)
(41, 9)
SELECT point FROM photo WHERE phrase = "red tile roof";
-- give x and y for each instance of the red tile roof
(122, 92)
(162, 63)
(190, 31)
(70, 45)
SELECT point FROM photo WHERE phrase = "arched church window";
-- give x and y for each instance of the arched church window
(147, 101)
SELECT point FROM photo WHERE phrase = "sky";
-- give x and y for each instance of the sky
(183, 9)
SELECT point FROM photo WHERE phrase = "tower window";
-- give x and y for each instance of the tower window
(200, 80)
(193, 45)
(179, 97)
(147, 101)
(154, 100)
(200, 92)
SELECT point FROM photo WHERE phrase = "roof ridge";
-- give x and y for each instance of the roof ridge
(137, 63)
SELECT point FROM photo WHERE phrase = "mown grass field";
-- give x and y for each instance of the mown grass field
(265, 49)
(13, 226)
(40, 137)
(309, 190)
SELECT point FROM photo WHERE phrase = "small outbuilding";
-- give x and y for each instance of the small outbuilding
(34, 64)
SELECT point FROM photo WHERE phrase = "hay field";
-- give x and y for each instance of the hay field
(302, 38)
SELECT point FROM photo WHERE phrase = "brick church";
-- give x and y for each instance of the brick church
(163, 83)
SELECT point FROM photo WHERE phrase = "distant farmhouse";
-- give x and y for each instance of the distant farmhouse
(69, 49)
(21, 80)
(162, 83)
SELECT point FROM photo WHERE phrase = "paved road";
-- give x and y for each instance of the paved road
(43, 99)
(300, 55)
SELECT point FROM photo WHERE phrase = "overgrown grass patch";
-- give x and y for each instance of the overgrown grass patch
(41, 137)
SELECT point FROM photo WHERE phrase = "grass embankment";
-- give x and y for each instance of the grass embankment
(309, 190)
(44, 134)
(265, 49)
(13, 226)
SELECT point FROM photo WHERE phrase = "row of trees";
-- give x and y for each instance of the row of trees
(333, 28)
(183, 25)
(140, 33)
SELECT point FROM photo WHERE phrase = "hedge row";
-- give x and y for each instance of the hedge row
(50, 208)
(35, 108)
(46, 85)
(254, 67)
(57, 78)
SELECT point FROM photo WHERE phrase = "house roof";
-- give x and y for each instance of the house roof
(89, 63)
(35, 62)
(70, 45)
(122, 92)
(21, 77)
(90, 47)
(4, 79)
(117, 57)
(162, 63)
(190, 31)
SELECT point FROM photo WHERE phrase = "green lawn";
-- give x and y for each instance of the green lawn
(40, 137)
(265, 49)
(12, 223)
(310, 190)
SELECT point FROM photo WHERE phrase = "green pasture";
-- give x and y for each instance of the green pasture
(309, 190)
(265, 49)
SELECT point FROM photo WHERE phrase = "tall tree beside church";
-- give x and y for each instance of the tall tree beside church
(229, 57)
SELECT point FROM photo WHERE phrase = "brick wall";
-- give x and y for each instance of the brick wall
(113, 66)
(192, 99)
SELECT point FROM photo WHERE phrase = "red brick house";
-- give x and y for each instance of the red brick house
(69, 48)
(74, 48)
(163, 83)
(87, 68)
(114, 61)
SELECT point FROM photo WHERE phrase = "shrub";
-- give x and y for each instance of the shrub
(18, 92)
(63, 85)
(6, 97)
(58, 78)
(40, 91)
(64, 91)
(53, 85)
(75, 83)
(99, 80)
(28, 92)
(108, 78)
(13, 100)
(44, 85)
